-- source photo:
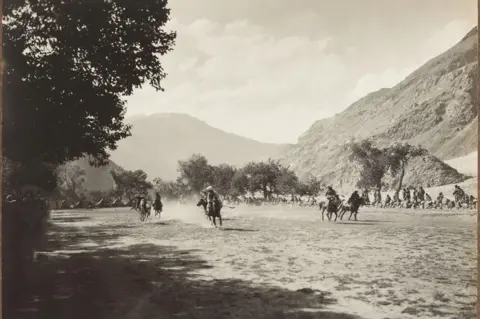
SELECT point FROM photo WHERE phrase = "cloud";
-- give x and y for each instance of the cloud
(238, 72)
(243, 78)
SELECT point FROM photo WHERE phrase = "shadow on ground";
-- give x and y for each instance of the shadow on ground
(239, 229)
(146, 281)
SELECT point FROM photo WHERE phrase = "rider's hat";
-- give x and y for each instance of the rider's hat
(209, 188)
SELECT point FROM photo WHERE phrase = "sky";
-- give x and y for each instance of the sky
(268, 69)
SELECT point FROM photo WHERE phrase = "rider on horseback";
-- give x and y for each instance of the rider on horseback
(158, 202)
(211, 195)
(331, 195)
(139, 198)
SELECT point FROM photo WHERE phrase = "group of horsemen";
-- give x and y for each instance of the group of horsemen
(355, 200)
(209, 194)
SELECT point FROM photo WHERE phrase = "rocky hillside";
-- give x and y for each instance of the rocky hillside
(158, 141)
(434, 107)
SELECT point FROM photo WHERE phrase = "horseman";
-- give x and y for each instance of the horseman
(211, 195)
(139, 198)
(331, 195)
(354, 201)
(158, 202)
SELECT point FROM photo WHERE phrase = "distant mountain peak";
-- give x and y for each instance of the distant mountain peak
(160, 140)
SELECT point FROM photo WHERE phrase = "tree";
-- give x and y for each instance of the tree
(221, 177)
(15, 176)
(314, 185)
(67, 66)
(195, 173)
(130, 183)
(168, 189)
(373, 163)
(398, 156)
(262, 176)
(287, 182)
(71, 178)
(239, 184)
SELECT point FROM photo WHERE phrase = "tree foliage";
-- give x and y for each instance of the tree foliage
(398, 156)
(268, 177)
(130, 183)
(373, 163)
(71, 178)
(287, 181)
(67, 65)
(221, 178)
(168, 189)
(17, 176)
(262, 176)
(195, 173)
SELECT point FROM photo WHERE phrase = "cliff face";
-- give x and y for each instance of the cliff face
(435, 107)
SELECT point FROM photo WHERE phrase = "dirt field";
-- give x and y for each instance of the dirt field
(266, 262)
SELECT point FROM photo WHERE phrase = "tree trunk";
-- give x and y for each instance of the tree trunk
(400, 180)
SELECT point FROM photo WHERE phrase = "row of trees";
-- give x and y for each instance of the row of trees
(267, 177)
(376, 162)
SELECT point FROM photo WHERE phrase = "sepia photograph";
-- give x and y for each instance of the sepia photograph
(225, 159)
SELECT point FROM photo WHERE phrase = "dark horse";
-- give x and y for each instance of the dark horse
(212, 211)
(352, 208)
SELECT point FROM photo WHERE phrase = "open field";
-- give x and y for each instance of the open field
(266, 262)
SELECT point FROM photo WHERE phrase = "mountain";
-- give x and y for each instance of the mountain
(158, 141)
(435, 107)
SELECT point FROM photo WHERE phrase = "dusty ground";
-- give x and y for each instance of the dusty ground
(266, 262)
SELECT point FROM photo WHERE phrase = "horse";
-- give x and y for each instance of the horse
(144, 210)
(157, 207)
(334, 206)
(212, 211)
(352, 209)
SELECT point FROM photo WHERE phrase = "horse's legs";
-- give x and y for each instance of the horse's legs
(220, 218)
(214, 222)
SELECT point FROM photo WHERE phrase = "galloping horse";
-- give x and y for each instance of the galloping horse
(212, 211)
(353, 209)
(144, 210)
(157, 207)
(334, 206)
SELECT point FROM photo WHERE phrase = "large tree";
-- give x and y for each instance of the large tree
(195, 173)
(70, 179)
(262, 176)
(222, 176)
(239, 184)
(373, 163)
(398, 156)
(67, 66)
(130, 183)
(287, 182)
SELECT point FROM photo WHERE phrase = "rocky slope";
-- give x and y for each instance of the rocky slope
(158, 141)
(435, 106)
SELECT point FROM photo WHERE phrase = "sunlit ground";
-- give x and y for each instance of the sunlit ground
(265, 262)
